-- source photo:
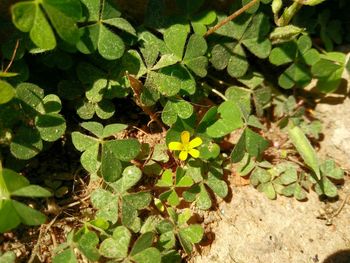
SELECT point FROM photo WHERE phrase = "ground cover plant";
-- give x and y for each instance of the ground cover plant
(83, 75)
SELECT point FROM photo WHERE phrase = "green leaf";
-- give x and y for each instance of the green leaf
(194, 57)
(329, 169)
(203, 200)
(113, 129)
(82, 142)
(7, 92)
(182, 179)
(175, 38)
(8, 212)
(230, 120)
(87, 245)
(295, 74)
(63, 16)
(170, 80)
(32, 191)
(124, 150)
(237, 65)
(174, 108)
(52, 103)
(248, 31)
(26, 143)
(253, 9)
(283, 54)
(122, 24)
(189, 236)
(255, 144)
(8, 257)
(90, 159)
(106, 203)
(173, 198)
(28, 216)
(51, 126)
(166, 60)
(139, 200)
(31, 98)
(268, 190)
(299, 193)
(167, 240)
(23, 15)
(131, 176)
(66, 256)
(289, 176)
(326, 187)
(111, 167)
(194, 233)
(249, 142)
(109, 45)
(116, 247)
(10, 181)
(329, 71)
(240, 96)
(166, 180)
(148, 255)
(184, 216)
(215, 182)
(246, 165)
(304, 148)
(28, 17)
(142, 243)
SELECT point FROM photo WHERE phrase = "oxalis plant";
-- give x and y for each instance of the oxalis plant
(78, 71)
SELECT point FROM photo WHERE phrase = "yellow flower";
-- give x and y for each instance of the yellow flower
(186, 146)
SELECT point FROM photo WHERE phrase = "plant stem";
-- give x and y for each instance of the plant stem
(13, 56)
(231, 17)
(215, 91)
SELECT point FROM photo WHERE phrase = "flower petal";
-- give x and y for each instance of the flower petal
(183, 155)
(195, 142)
(175, 146)
(185, 137)
(194, 153)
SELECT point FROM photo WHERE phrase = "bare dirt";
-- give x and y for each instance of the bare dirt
(253, 229)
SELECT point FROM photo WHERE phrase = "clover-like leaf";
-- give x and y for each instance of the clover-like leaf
(329, 70)
(216, 183)
(66, 255)
(31, 98)
(29, 17)
(7, 92)
(249, 142)
(248, 31)
(51, 126)
(194, 57)
(190, 235)
(87, 245)
(148, 255)
(175, 108)
(106, 203)
(117, 246)
(301, 55)
(229, 120)
(130, 177)
(97, 35)
(170, 80)
(26, 143)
